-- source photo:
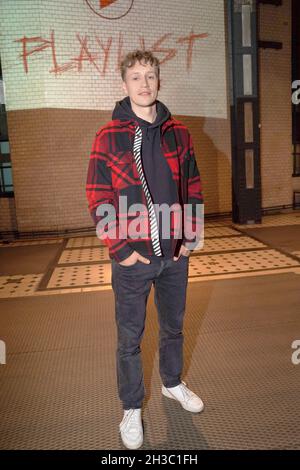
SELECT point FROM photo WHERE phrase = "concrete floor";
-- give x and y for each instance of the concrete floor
(58, 385)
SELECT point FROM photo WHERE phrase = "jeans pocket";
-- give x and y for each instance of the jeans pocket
(129, 266)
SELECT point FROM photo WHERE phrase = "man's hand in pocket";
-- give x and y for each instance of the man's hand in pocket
(134, 258)
(183, 252)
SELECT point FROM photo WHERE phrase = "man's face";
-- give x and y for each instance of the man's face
(141, 84)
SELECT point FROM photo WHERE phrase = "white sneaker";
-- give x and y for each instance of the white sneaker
(188, 399)
(131, 428)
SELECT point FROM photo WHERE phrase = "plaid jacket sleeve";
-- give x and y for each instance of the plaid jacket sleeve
(194, 216)
(99, 191)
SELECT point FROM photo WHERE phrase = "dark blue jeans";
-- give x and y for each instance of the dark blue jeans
(132, 285)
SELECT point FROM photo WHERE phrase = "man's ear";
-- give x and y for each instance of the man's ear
(124, 87)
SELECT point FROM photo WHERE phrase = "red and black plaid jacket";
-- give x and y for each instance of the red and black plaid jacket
(112, 172)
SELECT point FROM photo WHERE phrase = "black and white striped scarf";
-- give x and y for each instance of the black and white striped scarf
(137, 146)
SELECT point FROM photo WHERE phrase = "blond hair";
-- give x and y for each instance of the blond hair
(138, 56)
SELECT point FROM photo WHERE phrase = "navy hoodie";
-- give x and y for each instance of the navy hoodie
(157, 172)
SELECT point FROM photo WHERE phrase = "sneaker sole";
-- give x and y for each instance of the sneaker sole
(132, 446)
(168, 395)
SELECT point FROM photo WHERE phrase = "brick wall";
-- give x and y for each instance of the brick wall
(8, 221)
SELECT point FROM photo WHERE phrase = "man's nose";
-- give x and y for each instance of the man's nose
(145, 82)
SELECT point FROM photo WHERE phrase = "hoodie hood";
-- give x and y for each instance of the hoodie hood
(124, 112)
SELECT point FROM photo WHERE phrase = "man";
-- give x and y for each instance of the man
(147, 157)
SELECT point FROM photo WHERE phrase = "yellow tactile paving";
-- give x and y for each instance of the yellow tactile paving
(216, 277)
(220, 236)
(100, 253)
(221, 263)
(294, 270)
(19, 285)
(230, 243)
(84, 255)
(224, 263)
(85, 275)
(87, 278)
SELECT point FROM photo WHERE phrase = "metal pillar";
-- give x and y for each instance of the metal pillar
(244, 105)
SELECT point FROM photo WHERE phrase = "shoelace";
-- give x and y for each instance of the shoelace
(187, 393)
(132, 418)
